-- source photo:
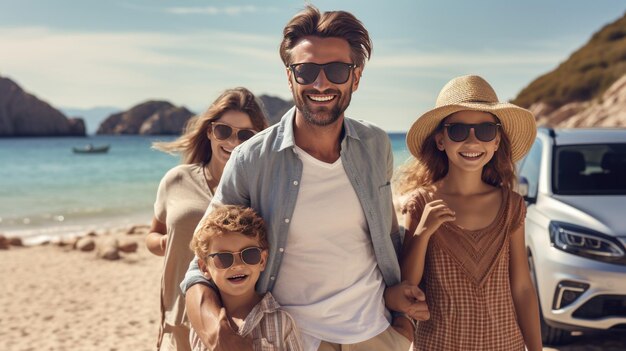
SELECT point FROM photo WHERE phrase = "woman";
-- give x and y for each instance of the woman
(185, 192)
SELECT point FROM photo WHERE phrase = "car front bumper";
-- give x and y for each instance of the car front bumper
(601, 306)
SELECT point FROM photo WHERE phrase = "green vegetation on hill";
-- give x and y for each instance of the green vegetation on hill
(586, 74)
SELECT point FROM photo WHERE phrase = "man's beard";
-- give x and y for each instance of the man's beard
(322, 116)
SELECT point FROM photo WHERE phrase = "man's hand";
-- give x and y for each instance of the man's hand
(227, 338)
(208, 318)
(403, 326)
(409, 299)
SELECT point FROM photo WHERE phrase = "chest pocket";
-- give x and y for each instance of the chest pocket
(263, 344)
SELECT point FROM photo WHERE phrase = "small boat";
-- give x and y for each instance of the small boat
(90, 149)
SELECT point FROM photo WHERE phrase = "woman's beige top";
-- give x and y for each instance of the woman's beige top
(182, 199)
(466, 281)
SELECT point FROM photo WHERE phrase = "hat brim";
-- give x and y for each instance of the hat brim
(518, 124)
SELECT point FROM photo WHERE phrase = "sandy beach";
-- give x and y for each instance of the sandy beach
(57, 298)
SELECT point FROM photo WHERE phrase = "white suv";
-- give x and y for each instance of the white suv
(574, 182)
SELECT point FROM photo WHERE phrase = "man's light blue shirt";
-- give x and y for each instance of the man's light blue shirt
(264, 173)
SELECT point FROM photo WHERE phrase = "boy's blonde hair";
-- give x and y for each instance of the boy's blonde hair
(228, 219)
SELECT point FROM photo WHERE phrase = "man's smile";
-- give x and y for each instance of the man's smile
(321, 97)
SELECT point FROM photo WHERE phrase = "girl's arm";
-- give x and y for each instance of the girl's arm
(413, 252)
(523, 291)
(156, 240)
(416, 238)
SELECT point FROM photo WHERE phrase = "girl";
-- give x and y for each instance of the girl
(465, 226)
(185, 192)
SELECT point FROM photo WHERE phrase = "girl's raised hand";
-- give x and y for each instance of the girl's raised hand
(435, 213)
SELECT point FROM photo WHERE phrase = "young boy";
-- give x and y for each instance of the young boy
(231, 246)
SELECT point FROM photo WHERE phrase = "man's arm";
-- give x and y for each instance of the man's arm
(395, 233)
(204, 307)
(231, 190)
(402, 298)
(208, 318)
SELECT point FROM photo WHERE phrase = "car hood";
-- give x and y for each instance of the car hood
(608, 210)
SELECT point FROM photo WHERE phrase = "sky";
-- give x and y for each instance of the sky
(85, 53)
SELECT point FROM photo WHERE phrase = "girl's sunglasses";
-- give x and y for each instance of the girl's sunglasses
(223, 131)
(249, 256)
(486, 131)
(335, 72)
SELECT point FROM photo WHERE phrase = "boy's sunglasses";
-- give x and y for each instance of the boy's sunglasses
(486, 131)
(223, 131)
(336, 72)
(249, 256)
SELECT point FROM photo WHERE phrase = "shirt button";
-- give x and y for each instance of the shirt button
(295, 182)
(286, 220)
(272, 277)
(281, 249)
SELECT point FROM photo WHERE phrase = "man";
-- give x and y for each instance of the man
(321, 181)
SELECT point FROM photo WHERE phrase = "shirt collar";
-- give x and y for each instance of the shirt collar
(267, 305)
(285, 130)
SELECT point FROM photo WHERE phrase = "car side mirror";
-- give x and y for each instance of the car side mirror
(522, 189)
(522, 186)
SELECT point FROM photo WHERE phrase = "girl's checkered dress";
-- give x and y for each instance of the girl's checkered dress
(466, 281)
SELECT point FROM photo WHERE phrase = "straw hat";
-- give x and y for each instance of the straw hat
(475, 94)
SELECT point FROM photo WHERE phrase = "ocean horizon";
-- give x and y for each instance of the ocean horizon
(47, 192)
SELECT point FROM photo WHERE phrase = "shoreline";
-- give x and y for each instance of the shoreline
(55, 232)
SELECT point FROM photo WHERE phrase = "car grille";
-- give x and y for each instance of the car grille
(602, 306)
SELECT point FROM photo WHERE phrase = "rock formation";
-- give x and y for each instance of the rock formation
(161, 117)
(151, 117)
(608, 111)
(4, 243)
(167, 121)
(23, 114)
(586, 90)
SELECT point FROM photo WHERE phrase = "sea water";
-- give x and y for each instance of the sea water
(47, 191)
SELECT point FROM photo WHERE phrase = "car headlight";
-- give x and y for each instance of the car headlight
(586, 242)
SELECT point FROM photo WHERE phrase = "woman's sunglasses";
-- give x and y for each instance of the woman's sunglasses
(486, 131)
(335, 72)
(249, 256)
(223, 131)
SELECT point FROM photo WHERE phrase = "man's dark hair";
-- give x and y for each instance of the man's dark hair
(330, 24)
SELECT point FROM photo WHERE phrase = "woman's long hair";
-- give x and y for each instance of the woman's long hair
(432, 166)
(194, 144)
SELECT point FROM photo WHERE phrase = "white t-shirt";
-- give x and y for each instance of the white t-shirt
(329, 280)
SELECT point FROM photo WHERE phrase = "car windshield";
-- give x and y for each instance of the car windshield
(598, 169)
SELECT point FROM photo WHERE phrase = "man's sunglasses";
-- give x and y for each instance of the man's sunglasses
(486, 131)
(223, 131)
(335, 72)
(249, 256)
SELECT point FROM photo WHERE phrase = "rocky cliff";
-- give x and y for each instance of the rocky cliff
(23, 114)
(161, 117)
(148, 118)
(607, 111)
(588, 89)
